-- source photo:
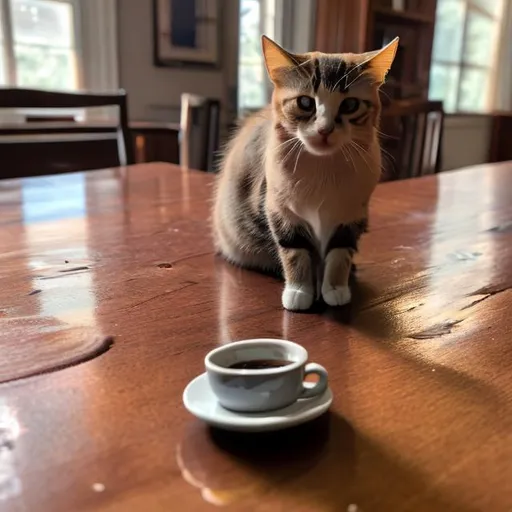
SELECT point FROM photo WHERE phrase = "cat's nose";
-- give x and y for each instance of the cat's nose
(326, 130)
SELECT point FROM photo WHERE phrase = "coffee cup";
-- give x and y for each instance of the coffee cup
(262, 375)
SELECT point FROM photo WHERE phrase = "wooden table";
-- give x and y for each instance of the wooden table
(420, 364)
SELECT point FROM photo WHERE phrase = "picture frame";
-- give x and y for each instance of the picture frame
(186, 33)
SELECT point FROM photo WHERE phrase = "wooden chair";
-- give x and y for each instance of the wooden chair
(412, 133)
(199, 132)
(36, 148)
(501, 149)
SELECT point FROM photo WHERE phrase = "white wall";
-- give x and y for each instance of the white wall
(154, 93)
(466, 141)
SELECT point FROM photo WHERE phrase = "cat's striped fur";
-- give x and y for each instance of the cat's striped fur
(295, 182)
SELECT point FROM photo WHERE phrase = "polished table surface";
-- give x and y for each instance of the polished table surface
(420, 364)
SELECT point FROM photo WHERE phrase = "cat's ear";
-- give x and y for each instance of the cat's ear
(379, 62)
(276, 58)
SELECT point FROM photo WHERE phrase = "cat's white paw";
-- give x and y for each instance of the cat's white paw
(297, 297)
(336, 296)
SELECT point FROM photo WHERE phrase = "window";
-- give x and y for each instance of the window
(39, 44)
(464, 58)
(256, 17)
(65, 45)
(291, 23)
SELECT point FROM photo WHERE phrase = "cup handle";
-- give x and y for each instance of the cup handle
(320, 386)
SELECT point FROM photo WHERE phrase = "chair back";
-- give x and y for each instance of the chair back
(199, 132)
(412, 134)
(48, 145)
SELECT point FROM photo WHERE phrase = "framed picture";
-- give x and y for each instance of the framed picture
(186, 33)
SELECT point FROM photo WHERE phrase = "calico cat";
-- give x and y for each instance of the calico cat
(295, 182)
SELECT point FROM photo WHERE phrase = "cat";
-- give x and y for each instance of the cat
(295, 182)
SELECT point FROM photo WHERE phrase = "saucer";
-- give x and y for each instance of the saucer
(202, 403)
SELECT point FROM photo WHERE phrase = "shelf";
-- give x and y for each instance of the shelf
(402, 17)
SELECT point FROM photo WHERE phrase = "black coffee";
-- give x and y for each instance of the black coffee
(260, 364)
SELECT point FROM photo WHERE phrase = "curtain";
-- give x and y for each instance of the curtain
(503, 96)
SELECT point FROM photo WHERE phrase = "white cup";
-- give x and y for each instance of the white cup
(258, 390)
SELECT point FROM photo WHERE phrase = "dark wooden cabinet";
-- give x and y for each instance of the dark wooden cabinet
(359, 26)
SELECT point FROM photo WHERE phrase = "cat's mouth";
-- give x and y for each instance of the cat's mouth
(320, 146)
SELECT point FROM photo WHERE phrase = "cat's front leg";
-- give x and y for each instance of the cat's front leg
(338, 262)
(299, 290)
(335, 287)
(296, 255)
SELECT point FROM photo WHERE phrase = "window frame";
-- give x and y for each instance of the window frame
(9, 43)
(96, 48)
(472, 7)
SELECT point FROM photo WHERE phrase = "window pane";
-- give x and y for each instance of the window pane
(252, 86)
(480, 39)
(444, 81)
(43, 22)
(491, 6)
(474, 90)
(449, 30)
(2, 57)
(251, 78)
(46, 68)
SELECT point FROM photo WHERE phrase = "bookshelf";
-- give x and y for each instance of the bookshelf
(358, 26)
(411, 126)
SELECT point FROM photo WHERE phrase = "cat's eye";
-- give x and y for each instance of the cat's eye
(306, 103)
(349, 105)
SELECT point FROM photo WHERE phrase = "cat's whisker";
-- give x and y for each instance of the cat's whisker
(361, 152)
(350, 158)
(297, 159)
(341, 149)
(344, 76)
(291, 152)
(385, 135)
(388, 154)
(298, 147)
(293, 139)
(305, 62)
(360, 146)
(287, 141)
(355, 79)
(346, 154)
(358, 153)
(292, 149)
(351, 70)
(384, 93)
